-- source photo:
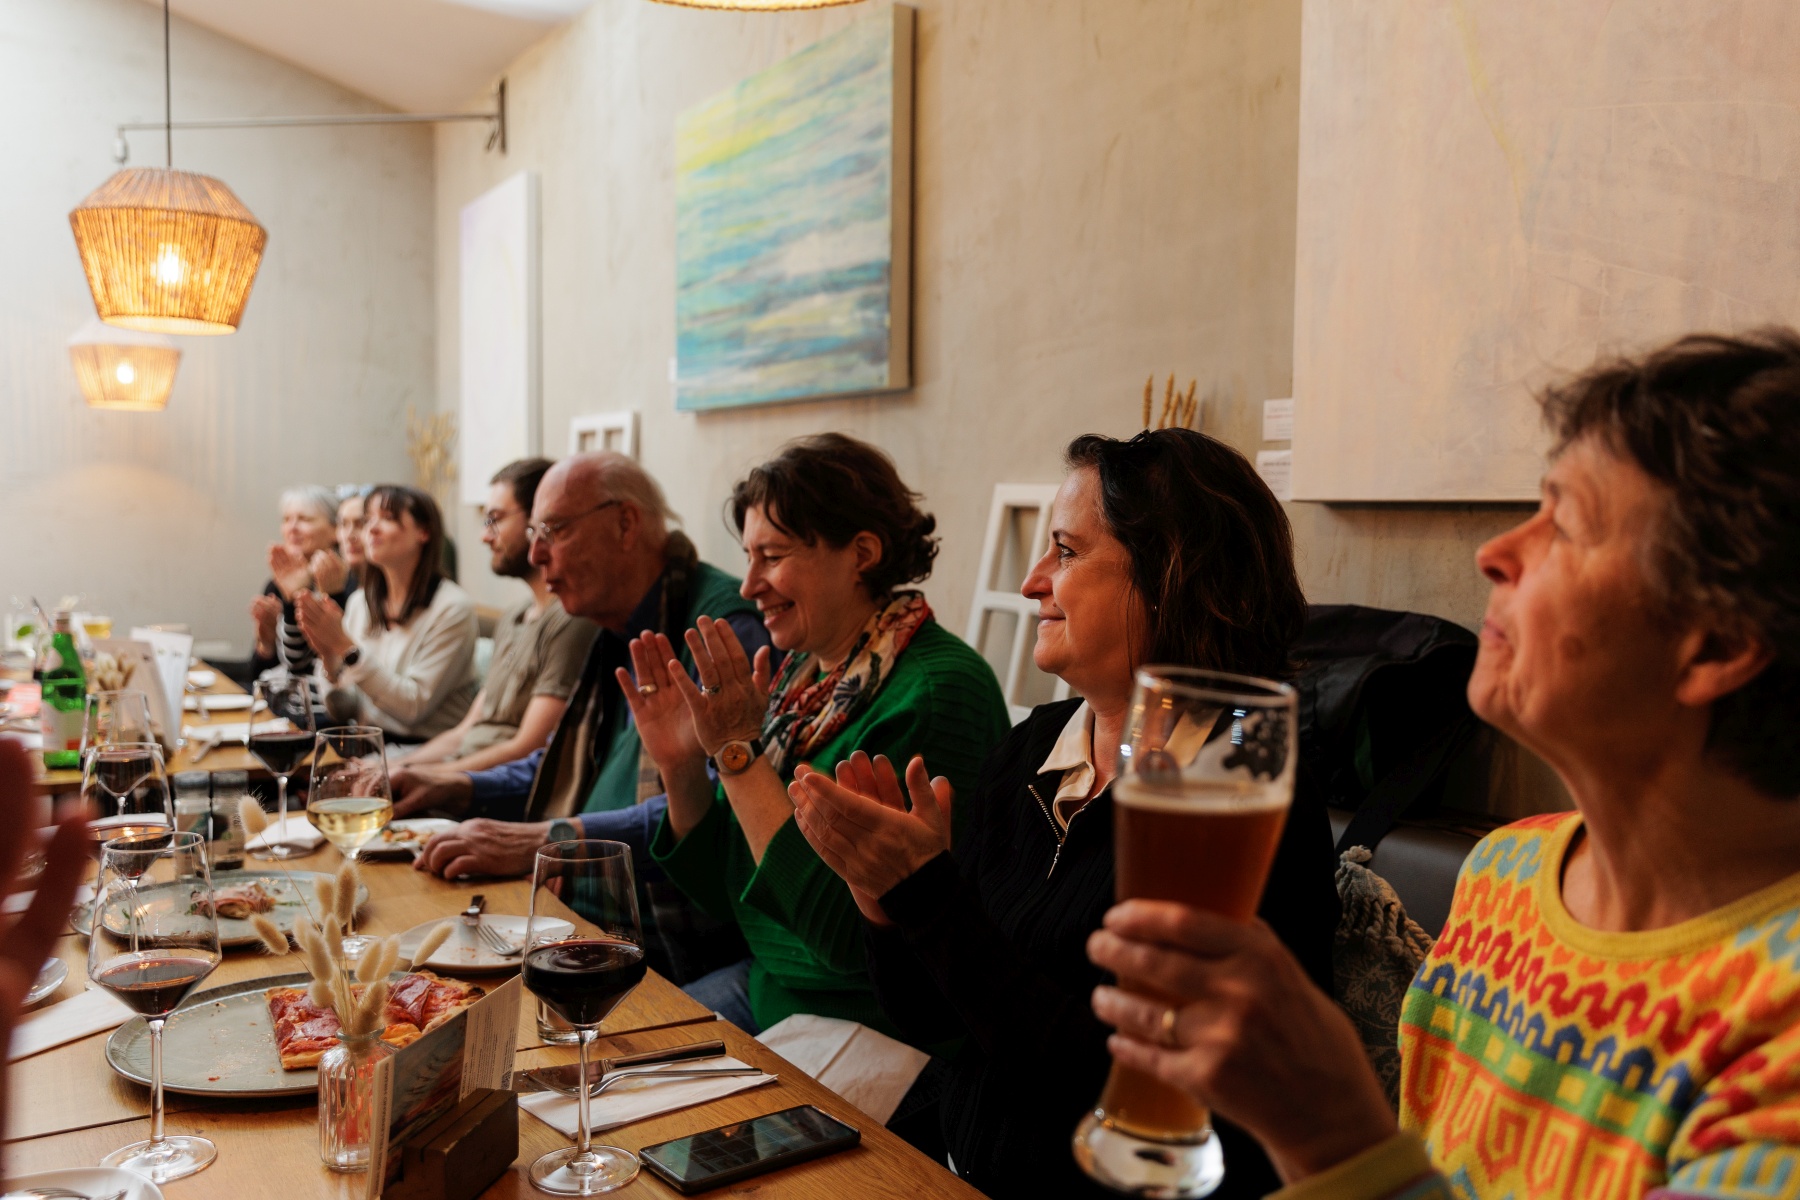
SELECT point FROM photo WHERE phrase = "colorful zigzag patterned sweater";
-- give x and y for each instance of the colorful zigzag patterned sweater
(1544, 1058)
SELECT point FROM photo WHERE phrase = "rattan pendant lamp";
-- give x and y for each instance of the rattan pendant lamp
(168, 251)
(123, 369)
(757, 5)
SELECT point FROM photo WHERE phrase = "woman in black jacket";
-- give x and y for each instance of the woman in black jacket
(1165, 549)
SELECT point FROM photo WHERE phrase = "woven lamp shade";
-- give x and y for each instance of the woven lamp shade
(168, 251)
(122, 369)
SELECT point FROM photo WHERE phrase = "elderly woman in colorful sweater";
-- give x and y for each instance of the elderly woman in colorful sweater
(1613, 1008)
(832, 536)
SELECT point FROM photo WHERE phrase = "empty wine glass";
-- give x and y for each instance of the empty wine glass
(583, 977)
(350, 801)
(121, 716)
(282, 749)
(154, 937)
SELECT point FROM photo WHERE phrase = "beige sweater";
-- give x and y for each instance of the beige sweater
(419, 680)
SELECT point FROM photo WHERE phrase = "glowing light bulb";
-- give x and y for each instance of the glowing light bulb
(169, 267)
(125, 374)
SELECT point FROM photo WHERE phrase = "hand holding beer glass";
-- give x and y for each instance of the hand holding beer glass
(1206, 777)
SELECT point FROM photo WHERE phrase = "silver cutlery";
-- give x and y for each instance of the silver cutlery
(563, 1079)
(499, 945)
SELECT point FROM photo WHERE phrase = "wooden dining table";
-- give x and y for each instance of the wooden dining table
(69, 1108)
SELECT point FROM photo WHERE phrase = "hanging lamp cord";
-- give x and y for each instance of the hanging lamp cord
(168, 104)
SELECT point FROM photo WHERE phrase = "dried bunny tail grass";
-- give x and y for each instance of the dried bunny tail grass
(325, 892)
(371, 1010)
(269, 934)
(428, 945)
(251, 816)
(378, 960)
(349, 882)
(319, 994)
(318, 961)
(332, 936)
(305, 933)
(390, 957)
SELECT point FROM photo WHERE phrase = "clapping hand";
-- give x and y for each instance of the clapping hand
(860, 824)
(265, 610)
(657, 709)
(328, 571)
(288, 567)
(322, 624)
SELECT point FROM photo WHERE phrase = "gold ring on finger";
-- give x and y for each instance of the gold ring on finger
(1169, 1018)
(646, 689)
(708, 691)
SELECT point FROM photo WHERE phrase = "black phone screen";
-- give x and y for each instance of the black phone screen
(749, 1147)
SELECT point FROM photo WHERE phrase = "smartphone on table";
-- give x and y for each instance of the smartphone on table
(702, 1161)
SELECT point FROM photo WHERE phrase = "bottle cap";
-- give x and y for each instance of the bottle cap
(63, 621)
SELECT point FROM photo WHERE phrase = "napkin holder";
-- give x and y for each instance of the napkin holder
(461, 1154)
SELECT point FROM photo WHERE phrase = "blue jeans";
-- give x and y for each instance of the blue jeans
(727, 992)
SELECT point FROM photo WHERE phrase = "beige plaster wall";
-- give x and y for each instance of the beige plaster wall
(165, 516)
(1104, 189)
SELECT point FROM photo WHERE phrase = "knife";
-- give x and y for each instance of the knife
(566, 1077)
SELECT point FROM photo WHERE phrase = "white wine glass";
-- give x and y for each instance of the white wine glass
(582, 977)
(289, 697)
(154, 937)
(350, 800)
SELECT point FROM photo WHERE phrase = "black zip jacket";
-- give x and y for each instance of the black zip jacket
(990, 945)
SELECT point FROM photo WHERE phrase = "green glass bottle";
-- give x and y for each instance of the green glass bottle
(64, 702)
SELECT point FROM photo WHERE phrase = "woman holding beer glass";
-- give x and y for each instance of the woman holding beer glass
(1611, 1009)
(1165, 549)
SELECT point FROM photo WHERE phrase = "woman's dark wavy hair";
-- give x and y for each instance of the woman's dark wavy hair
(1212, 555)
(396, 499)
(1715, 421)
(831, 486)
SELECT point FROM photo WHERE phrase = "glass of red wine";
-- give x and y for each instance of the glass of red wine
(154, 938)
(282, 749)
(582, 976)
(126, 779)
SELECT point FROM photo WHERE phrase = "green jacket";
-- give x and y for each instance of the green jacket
(802, 926)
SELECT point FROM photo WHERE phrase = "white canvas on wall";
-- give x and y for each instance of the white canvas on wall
(500, 343)
(1493, 192)
(605, 431)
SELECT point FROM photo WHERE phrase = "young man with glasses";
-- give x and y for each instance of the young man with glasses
(539, 648)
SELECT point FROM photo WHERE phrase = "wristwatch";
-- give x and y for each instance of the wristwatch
(563, 830)
(734, 758)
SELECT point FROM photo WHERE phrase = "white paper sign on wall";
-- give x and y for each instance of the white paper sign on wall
(500, 340)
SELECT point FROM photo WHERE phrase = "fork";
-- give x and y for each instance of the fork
(496, 943)
(595, 1089)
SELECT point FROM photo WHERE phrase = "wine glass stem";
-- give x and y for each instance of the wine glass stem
(156, 1086)
(280, 809)
(350, 925)
(587, 1132)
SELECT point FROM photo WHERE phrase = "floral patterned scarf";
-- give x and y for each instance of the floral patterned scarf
(804, 716)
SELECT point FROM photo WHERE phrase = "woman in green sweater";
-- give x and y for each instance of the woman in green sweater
(832, 535)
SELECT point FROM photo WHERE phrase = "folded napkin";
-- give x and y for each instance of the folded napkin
(18, 902)
(869, 1069)
(94, 1011)
(238, 731)
(295, 831)
(640, 1099)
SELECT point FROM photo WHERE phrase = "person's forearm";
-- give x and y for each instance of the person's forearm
(691, 792)
(761, 803)
(442, 748)
(516, 746)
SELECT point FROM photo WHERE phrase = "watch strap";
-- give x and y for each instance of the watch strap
(756, 751)
(564, 830)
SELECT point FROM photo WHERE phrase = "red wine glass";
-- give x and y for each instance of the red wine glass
(282, 750)
(155, 937)
(582, 976)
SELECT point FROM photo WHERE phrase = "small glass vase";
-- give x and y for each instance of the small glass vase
(347, 1100)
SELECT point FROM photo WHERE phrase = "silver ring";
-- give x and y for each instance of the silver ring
(708, 691)
(646, 689)
(1169, 1017)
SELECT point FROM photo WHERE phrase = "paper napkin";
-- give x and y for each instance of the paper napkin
(869, 1069)
(94, 1011)
(295, 831)
(639, 1099)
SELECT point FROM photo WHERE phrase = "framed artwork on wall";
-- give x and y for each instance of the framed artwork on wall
(793, 226)
(605, 431)
(498, 417)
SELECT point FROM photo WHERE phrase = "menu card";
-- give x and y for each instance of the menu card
(416, 1086)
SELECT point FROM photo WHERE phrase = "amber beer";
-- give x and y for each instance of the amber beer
(1203, 843)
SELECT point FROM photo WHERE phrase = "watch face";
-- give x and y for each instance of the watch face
(734, 757)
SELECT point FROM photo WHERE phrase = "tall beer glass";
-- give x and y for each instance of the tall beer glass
(1205, 779)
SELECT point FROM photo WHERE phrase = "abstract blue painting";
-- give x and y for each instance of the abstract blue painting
(793, 226)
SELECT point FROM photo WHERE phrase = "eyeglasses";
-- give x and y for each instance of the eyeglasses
(553, 531)
(491, 520)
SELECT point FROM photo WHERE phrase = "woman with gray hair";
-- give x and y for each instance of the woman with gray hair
(303, 560)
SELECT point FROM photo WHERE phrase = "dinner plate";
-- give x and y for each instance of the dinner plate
(414, 833)
(219, 1043)
(203, 678)
(463, 951)
(49, 977)
(292, 891)
(90, 1181)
